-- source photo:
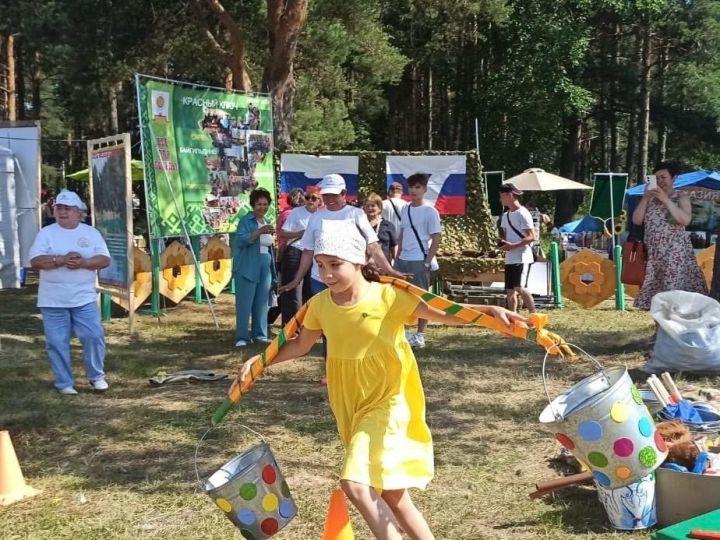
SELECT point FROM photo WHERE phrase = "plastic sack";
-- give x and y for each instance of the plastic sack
(688, 334)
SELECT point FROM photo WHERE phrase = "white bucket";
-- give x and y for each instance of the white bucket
(632, 507)
(603, 421)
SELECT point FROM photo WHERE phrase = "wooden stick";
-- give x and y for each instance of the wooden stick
(564, 481)
(658, 394)
(674, 392)
(662, 389)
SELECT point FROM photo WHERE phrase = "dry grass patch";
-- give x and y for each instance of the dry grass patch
(120, 465)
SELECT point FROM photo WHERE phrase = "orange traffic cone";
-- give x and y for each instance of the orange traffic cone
(12, 484)
(337, 524)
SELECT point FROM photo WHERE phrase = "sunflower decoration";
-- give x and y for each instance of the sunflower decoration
(216, 265)
(177, 277)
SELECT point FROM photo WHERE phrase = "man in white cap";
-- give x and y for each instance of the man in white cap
(333, 192)
(68, 255)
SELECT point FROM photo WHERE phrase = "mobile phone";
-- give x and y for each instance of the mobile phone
(651, 182)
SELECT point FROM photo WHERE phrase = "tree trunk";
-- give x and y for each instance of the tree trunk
(662, 123)
(566, 201)
(21, 89)
(631, 155)
(614, 128)
(11, 95)
(644, 127)
(36, 82)
(286, 19)
(114, 124)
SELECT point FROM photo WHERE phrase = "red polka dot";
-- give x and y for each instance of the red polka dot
(268, 474)
(660, 442)
(269, 526)
(565, 441)
(623, 447)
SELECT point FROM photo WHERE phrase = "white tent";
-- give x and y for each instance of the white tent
(9, 243)
(23, 140)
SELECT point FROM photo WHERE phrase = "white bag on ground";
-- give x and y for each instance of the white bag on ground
(688, 334)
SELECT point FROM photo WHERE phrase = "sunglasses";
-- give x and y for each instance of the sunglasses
(311, 197)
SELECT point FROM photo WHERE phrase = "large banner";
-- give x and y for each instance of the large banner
(705, 215)
(446, 187)
(204, 150)
(303, 170)
(111, 204)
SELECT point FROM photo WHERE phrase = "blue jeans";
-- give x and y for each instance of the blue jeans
(84, 322)
(252, 298)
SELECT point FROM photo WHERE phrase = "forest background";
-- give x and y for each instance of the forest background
(574, 87)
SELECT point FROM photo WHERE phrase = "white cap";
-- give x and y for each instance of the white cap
(332, 184)
(341, 239)
(69, 198)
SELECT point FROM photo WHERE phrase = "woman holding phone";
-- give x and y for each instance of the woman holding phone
(671, 260)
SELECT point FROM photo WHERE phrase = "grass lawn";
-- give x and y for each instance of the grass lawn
(120, 465)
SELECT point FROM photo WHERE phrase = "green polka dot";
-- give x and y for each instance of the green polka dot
(247, 534)
(598, 459)
(636, 395)
(248, 491)
(647, 456)
(285, 489)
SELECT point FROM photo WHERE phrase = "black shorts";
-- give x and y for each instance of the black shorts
(516, 275)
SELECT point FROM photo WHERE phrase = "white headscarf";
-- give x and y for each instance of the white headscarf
(341, 239)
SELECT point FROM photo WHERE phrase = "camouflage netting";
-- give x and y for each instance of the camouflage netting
(468, 246)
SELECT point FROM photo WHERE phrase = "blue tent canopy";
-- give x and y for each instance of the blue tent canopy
(708, 179)
(586, 224)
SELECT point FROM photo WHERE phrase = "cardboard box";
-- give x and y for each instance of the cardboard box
(706, 522)
(681, 496)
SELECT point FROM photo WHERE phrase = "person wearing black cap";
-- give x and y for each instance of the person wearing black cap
(518, 235)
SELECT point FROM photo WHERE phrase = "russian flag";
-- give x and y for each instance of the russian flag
(303, 170)
(446, 187)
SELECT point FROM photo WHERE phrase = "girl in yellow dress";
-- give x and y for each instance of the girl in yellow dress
(374, 386)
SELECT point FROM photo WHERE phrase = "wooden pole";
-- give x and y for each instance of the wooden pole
(11, 97)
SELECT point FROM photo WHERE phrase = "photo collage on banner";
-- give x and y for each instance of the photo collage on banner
(446, 186)
(111, 205)
(303, 170)
(204, 150)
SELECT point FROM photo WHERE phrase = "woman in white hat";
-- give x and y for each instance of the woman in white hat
(374, 386)
(68, 255)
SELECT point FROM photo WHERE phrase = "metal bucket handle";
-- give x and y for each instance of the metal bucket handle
(197, 448)
(559, 417)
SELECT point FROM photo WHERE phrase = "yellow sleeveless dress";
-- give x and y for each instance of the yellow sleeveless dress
(374, 387)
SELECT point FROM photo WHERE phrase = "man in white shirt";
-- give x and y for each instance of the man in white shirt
(393, 205)
(518, 232)
(419, 241)
(333, 192)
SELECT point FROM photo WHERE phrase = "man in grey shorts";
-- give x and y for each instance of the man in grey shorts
(419, 241)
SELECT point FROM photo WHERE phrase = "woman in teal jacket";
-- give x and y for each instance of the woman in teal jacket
(253, 270)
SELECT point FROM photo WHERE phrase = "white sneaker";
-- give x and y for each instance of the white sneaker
(69, 391)
(241, 343)
(418, 341)
(262, 340)
(100, 385)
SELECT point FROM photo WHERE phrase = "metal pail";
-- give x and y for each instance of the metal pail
(251, 491)
(632, 507)
(603, 421)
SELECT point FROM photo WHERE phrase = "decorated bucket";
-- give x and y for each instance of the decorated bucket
(631, 507)
(603, 421)
(251, 491)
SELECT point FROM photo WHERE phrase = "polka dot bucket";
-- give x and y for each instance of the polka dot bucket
(252, 492)
(604, 422)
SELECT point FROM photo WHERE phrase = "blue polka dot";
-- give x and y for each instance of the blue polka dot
(246, 517)
(645, 426)
(287, 509)
(590, 430)
(601, 478)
